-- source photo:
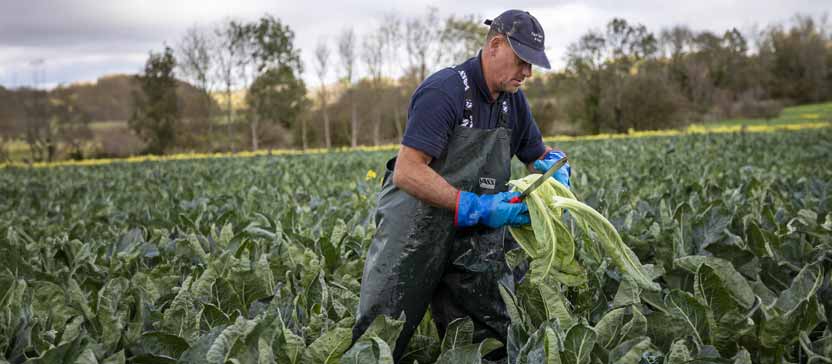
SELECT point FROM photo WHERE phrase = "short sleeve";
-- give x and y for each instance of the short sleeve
(430, 121)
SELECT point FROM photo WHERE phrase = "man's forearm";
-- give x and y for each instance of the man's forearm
(425, 184)
(413, 175)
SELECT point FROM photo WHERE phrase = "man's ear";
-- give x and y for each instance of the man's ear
(493, 45)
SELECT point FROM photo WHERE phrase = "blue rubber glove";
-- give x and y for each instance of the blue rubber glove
(492, 210)
(562, 174)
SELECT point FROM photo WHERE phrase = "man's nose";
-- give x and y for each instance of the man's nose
(527, 70)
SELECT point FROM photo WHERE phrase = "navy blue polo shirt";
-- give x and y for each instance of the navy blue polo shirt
(437, 105)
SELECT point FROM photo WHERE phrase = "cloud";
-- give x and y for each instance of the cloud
(80, 40)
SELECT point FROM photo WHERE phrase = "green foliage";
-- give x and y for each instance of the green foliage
(461, 37)
(259, 260)
(269, 58)
(618, 79)
(156, 108)
(798, 60)
(551, 246)
(278, 96)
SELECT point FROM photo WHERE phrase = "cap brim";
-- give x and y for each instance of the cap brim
(536, 57)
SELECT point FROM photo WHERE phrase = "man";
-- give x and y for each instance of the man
(443, 208)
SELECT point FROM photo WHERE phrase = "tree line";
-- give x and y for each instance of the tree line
(238, 85)
(626, 77)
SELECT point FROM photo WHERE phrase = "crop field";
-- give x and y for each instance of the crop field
(789, 115)
(19, 152)
(259, 259)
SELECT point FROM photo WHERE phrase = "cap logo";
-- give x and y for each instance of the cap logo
(537, 37)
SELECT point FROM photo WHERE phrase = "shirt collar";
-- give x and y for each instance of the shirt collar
(475, 71)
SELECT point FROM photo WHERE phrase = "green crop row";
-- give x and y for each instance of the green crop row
(259, 260)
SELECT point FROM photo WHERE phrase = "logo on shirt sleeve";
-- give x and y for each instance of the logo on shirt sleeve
(464, 79)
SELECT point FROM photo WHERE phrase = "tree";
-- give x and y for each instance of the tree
(462, 37)
(72, 122)
(585, 61)
(420, 38)
(391, 39)
(372, 55)
(346, 51)
(38, 128)
(196, 63)
(626, 45)
(390, 31)
(244, 64)
(227, 56)
(8, 126)
(321, 69)
(269, 45)
(675, 44)
(273, 96)
(604, 62)
(47, 121)
(797, 59)
(675, 41)
(156, 108)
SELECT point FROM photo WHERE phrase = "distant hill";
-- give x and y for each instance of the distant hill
(111, 97)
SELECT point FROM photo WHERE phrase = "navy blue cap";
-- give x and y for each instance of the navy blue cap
(525, 36)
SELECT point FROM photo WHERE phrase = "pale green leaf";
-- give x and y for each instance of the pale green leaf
(624, 258)
(544, 302)
(112, 312)
(371, 350)
(628, 293)
(117, 358)
(679, 353)
(578, 346)
(469, 353)
(226, 234)
(221, 346)
(460, 332)
(631, 351)
(690, 312)
(329, 347)
(386, 329)
(287, 346)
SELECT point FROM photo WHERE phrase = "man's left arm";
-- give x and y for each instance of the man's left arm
(530, 165)
(532, 147)
(537, 156)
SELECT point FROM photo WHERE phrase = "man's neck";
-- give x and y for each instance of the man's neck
(489, 82)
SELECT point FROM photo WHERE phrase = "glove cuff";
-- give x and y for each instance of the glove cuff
(554, 154)
(467, 213)
(540, 166)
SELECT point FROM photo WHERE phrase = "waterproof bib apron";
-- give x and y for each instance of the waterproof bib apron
(417, 256)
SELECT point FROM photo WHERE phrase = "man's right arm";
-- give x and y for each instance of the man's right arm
(413, 174)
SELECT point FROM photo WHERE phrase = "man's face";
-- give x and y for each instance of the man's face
(510, 71)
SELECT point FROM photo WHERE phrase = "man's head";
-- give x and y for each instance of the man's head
(514, 43)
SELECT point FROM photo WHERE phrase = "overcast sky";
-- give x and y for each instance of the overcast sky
(63, 41)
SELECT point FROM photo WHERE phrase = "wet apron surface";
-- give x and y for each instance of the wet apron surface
(417, 256)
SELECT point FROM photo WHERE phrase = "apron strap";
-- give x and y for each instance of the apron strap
(502, 118)
(468, 110)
